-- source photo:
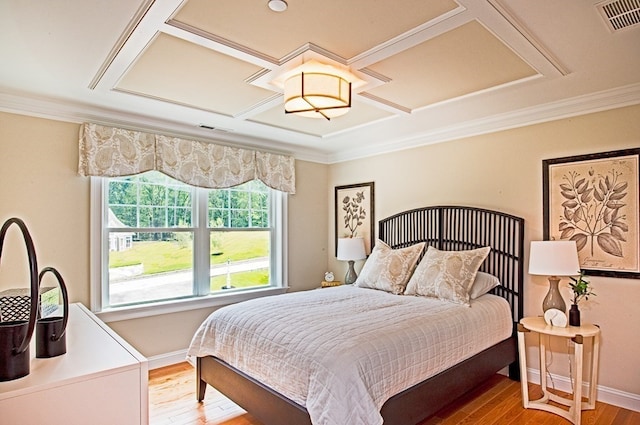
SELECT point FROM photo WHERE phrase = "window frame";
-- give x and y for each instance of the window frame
(99, 261)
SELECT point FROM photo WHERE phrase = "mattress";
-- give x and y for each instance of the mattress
(341, 352)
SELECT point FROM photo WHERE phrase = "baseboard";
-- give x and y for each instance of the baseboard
(167, 359)
(604, 394)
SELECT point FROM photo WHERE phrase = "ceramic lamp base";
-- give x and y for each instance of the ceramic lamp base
(554, 298)
(351, 275)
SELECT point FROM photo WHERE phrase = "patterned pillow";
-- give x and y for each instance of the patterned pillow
(389, 269)
(447, 275)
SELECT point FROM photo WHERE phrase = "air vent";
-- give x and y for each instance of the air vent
(212, 128)
(620, 14)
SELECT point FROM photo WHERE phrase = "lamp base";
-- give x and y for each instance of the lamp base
(554, 298)
(351, 275)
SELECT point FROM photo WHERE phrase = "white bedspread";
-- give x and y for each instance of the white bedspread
(343, 351)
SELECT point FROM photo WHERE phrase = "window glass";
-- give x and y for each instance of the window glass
(152, 266)
(239, 259)
(155, 233)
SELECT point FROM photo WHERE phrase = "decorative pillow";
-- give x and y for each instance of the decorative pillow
(389, 269)
(447, 275)
(483, 283)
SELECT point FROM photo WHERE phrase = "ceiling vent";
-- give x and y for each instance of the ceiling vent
(212, 128)
(620, 14)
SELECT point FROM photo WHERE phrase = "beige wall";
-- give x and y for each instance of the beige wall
(503, 171)
(40, 185)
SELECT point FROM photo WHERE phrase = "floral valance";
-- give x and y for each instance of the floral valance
(109, 152)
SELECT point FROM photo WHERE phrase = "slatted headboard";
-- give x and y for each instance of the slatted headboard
(454, 228)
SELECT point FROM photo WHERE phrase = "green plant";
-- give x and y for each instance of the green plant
(580, 288)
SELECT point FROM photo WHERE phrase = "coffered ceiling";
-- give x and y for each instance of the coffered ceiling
(429, 71)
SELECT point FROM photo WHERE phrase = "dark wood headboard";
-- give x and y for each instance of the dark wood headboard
(455, 228)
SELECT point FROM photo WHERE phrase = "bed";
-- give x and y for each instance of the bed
(448, 228)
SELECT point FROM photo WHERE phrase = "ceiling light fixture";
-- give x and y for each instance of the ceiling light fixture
(317, 91)
(277, 5)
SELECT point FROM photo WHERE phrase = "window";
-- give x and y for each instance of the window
(163, 241)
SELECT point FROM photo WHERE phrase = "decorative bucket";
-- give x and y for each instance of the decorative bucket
(15, 336)
(13, 363)
(50, 331)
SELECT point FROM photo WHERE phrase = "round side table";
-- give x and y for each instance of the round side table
(577, 334)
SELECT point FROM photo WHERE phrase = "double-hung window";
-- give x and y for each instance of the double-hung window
(162, 242)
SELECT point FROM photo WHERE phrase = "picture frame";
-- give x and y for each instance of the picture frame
(594, 200)
(355, 213)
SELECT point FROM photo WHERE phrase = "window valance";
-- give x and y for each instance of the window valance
(110, 152)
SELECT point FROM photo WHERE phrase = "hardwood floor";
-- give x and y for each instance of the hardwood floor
(172, 401)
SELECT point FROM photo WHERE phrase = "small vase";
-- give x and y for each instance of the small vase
(574, 315)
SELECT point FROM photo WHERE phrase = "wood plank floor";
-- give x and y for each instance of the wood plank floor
(172, 401)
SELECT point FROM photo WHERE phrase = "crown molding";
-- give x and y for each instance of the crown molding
(77, 113)
(580, 105)
(61, 110)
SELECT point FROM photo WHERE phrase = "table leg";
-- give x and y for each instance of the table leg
(593, 381)
(576, 409)
(543, 340)
(523, 366)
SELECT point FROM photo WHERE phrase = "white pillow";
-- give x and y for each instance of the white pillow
(389, 269)
(447, 275)
(483, 283)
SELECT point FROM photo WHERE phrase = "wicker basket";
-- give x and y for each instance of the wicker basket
(15, 303)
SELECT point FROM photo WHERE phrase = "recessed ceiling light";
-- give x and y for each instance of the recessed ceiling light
(277, 5)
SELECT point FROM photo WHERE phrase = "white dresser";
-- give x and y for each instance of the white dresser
(100, 380)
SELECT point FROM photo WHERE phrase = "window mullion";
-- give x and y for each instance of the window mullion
(98, 245)
(277, 219)
(201, 262)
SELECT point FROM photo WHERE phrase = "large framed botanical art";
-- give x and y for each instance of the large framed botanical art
(594, 200)
(354, 206)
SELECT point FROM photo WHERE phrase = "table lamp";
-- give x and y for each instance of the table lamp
(351, 249)
(553, 259)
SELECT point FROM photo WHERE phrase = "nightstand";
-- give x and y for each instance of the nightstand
(577, 334)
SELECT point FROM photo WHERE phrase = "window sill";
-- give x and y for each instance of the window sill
(176, 306)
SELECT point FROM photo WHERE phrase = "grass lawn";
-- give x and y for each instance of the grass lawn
(168, 256)
(242, 280)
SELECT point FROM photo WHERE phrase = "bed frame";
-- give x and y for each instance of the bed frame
(446, 228)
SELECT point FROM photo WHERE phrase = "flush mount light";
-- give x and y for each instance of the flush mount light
(277, 5)
(317, 94)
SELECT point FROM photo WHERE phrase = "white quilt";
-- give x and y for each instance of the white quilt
(343, 351)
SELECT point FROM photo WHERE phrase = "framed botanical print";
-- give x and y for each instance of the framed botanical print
(354, 205)
(594, 200)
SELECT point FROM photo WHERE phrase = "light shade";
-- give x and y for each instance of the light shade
(317, 95)
(351, 249)
(554, 258)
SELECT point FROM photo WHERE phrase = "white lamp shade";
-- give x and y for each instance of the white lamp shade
(351, 249)
(554, 258)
